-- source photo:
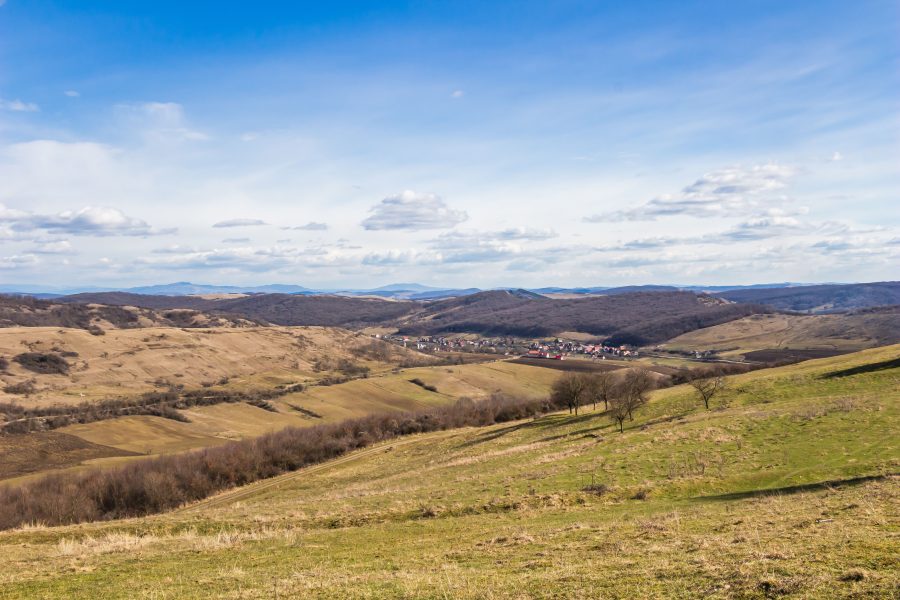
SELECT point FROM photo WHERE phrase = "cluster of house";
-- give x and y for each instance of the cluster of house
(556, 349)
(559, 349)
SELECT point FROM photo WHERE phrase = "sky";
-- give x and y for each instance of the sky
(464, 144)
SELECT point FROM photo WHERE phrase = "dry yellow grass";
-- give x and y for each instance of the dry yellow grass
(131, 361)
(758, 332)
(396, 392)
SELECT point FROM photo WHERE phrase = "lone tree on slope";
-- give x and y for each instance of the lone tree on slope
(707, 385)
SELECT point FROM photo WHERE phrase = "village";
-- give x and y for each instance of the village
(554, 349)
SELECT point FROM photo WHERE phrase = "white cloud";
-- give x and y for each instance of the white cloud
(729, 192)
(72, 93)
(59, 247)
(18, 106)
(311, 226)
(240, 223)
(161, 121)
(17, 261)
(248, 259)
(413, 211)
(88, 221)
(457, 94)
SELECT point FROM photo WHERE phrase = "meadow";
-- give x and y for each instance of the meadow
(787, 487)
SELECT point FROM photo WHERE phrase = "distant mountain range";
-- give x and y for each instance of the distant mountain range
(404, 291)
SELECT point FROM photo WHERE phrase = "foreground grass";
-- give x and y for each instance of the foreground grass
(785, 489)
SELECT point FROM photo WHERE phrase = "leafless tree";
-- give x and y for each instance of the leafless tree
(708, 384)
(635, 387)
(569, 390)
(619, 410)
(599, 388)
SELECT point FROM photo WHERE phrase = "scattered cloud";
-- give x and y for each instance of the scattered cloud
(236, 240)
(72, 93)
(18, 106)
(161, 121)
(457, 94)
(730, 192)
(248, 259)
(89, 221)
(17, 261)
(239, 223)
(413, 211)
(311, 226)
(837, 156)
(57, 247)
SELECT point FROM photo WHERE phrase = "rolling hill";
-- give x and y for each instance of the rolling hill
(634, 318)
(128, 362)
(786, 333)
(821, 298)
(24, 311)
(786, 488)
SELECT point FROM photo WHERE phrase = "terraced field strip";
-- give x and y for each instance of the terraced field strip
(252, 489)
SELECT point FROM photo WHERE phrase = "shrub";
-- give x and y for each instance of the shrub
(24, 387)
(45, 364)
(423, 385)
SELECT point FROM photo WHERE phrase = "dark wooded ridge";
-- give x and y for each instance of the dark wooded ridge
(632, 318)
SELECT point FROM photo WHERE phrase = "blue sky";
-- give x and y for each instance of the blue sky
(474, 144)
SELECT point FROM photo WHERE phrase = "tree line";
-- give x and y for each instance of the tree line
(623, 394)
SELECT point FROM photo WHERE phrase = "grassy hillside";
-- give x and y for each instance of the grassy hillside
(785, 489)
(841, 332)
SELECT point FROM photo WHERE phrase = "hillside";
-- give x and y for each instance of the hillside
(786, 489)
(280, 309)
(132, 361)
(29, 312)
(785, 333)
(298, 371)
(821, 298)
(634, 318)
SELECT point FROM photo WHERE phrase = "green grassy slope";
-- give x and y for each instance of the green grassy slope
(785, 489)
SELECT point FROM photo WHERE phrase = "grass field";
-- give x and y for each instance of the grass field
(840, 333)
(787, 488)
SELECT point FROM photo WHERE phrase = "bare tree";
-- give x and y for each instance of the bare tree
(635, 387)
(599, 388)
(629, 395)
(708, 384)
(569, 390)
(619, 410)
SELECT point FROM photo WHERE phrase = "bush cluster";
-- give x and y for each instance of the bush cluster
(20, 419)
